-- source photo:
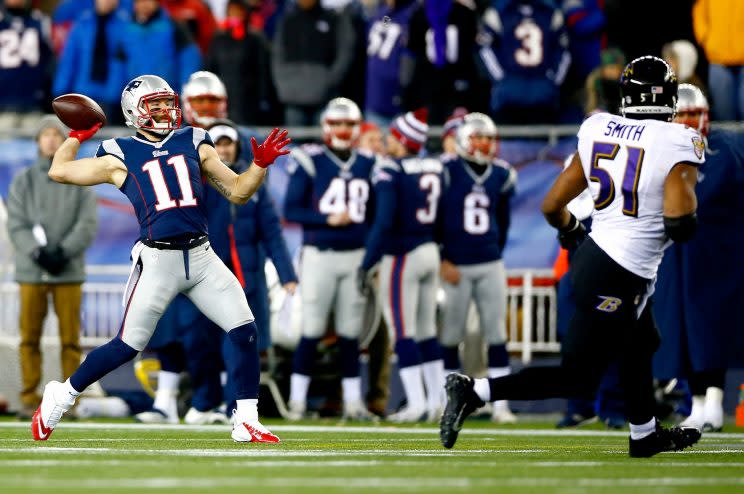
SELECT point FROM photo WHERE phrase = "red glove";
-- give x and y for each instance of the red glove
(84, 135)
(271, 149)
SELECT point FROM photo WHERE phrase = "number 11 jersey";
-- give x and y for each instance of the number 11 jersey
(629, 160)
(164, 181)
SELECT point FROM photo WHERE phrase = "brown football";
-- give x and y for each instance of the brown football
(78, 111)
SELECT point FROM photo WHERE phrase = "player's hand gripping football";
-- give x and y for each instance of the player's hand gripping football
(271, 149)
(84, 135)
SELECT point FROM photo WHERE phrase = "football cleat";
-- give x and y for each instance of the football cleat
(461, 402)
(195, 417)
(501, 413)
(295, 410)
(433, 415)
(663, 439)
(253, 432)
(408, 414)
(357, 411)
(156, 416)
(576, 420)
(54, 403)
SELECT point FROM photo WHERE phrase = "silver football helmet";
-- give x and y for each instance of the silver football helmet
(692, 108)
(476, 125)
(204, 99)
(341, 110)
(137, 98)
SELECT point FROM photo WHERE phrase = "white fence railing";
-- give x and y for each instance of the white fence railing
(531, 306)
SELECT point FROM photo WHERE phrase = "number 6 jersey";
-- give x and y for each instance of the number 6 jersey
(629, 161)
(164, 183)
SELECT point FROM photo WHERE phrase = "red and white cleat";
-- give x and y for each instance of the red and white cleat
(54, 403)
(253, 432)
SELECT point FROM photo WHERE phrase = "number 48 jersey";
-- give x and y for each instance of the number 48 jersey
(629, 161)
(321, 185)
(164, 181)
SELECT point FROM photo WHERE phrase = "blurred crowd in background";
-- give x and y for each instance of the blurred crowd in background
(520, 61)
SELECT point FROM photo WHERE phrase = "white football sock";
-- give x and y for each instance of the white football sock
(247, 410)
(352, 389)
(697, 414)
(482, 389)
(165, 396)
(298, 385)
(413, 386)
(713, 412)
(494, 373)
(642, 430)
(433, 372)
(72, 391)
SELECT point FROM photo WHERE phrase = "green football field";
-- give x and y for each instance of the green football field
(328, 457)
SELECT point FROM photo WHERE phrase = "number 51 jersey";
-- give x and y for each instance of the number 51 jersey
(629, 161)
(164, 183)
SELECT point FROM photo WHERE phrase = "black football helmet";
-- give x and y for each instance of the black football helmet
(648, 89)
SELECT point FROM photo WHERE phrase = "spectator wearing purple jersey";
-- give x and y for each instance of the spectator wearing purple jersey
(388, 67)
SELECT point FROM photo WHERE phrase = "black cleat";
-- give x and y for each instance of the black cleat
(461, 402)
(663, 439)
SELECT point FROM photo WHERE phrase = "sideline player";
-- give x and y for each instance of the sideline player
(646, 171)
(475, 220)
(408, 191)
(696, 323)
(327, 194)
(160, 170)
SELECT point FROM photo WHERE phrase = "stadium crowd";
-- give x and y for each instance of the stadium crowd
(375, 76)
(538, 61)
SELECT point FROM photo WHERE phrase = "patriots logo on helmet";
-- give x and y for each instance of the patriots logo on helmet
(133, 85)
(698, 146)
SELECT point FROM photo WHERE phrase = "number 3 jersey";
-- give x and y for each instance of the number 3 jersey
(407, 200)
(628, 162)
(321, 185)
(475, 210)
(164, 183)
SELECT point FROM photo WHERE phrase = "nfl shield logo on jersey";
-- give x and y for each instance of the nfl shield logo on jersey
(699, 146)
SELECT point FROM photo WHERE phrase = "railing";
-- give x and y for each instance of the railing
(531, 306)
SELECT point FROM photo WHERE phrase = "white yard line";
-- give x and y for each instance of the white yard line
(267, 452)
(321, 463)
(398, 483)
(349, 429)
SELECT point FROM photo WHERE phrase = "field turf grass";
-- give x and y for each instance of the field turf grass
(328, 457)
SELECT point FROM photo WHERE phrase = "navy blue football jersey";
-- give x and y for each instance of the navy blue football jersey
(321, 185)
(525, 40)
(386, 45)
(25, 58)
(164, 183)
(407, 201)
(475, 210)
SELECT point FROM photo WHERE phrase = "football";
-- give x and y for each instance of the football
(78, 111)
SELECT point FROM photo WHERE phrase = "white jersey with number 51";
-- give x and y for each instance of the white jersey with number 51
(629, 160)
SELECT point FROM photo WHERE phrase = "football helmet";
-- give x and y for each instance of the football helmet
(476, 125)
(204, 99)
(648, 89)
(136, 99)
(338, 111)
(692, 108)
